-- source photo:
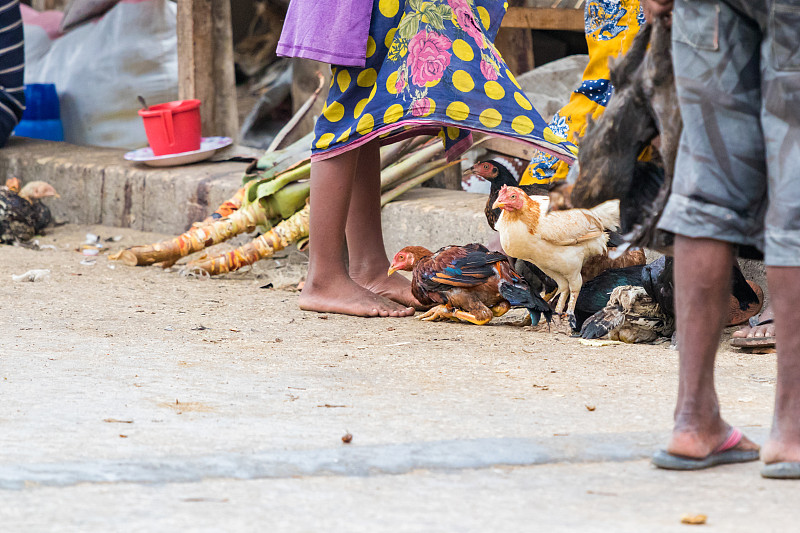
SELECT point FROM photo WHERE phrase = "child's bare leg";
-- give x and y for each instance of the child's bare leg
(366, 251)
(328, 287)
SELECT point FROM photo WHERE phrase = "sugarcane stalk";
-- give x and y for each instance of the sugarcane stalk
(278, 206)
(243, 220)
(392, 153)
(425, 167)
(417, 142)
(404, 167)
(410, 184)
(225, 208)
(279, 237)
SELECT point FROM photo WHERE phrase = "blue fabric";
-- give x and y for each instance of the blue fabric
(431, 68)
(12, 68)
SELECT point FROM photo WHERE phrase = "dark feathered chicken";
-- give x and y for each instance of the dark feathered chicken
(595, 293)
(657, 280)
(22, 214)
(645, 102)
(467, 283)
(653, 315)
(498, 175)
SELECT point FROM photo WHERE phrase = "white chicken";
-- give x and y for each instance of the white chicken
(558, 242)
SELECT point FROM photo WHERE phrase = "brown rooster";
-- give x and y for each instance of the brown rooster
(559, 242)
(467, 283)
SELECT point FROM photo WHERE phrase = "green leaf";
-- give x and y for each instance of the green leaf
(415, 5)
(409, 26)
(287, 201)
(435, 18)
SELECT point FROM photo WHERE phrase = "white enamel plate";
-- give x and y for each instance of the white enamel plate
(208, 145)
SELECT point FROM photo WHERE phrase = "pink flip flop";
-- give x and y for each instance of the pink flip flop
(723, 454)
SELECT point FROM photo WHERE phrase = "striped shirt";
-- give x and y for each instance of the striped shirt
(12, 68)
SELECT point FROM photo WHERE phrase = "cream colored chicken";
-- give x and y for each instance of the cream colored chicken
(558, 242)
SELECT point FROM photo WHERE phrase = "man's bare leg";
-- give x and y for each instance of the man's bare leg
(366, 250)
(328, 287)
(783, 444)
(702, 283)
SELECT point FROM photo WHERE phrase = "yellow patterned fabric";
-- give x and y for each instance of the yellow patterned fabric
(611, 26)
(431, 68)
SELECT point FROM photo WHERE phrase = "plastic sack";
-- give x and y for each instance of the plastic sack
(100, 67)
(79, 11)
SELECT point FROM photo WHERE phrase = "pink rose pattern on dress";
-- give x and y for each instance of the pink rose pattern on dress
(454, 4)
(488, 70)
(421, 107)
(468, 23)
(425, 54)
(428, 57)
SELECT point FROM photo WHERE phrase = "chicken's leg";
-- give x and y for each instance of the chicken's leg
(501, 309)
(435, 313)
(575, 284)
(469, 317)
(442, 312)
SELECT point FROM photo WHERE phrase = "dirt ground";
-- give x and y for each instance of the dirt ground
(139, 399)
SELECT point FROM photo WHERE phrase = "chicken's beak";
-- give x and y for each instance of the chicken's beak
(392, 270)
(468, 172)
(498, 205)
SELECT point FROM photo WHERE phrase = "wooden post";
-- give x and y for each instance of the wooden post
(205, 63)
(515, 44)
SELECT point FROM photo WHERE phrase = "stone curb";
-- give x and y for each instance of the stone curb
(97, 186)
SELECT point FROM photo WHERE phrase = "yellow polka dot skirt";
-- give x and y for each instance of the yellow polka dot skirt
(431, 68)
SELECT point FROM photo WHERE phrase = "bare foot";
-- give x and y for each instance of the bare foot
(697, 445)
(776, 451)
(766, 330)
(349, 298)
(395, 287)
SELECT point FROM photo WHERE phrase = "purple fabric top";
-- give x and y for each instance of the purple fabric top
(331, 31)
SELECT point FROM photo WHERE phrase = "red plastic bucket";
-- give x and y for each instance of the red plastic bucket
(172, 127)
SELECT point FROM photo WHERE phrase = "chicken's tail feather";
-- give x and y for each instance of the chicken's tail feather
(523, 297)
(601, 323)
(607, 214)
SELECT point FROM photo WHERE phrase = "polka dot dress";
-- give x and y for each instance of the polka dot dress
(431, 68)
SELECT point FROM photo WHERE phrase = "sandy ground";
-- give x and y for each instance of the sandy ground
(135, 399)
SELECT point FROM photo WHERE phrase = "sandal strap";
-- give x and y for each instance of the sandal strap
(755, 321)
(734, 438)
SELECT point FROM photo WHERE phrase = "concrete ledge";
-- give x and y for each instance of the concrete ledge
(97, 186)
(434, 218)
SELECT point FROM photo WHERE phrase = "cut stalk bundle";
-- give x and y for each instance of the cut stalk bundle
(409, 165)
(243, 220)
(417, 180)
(274, 194)
(263, 213)
(279, 237)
